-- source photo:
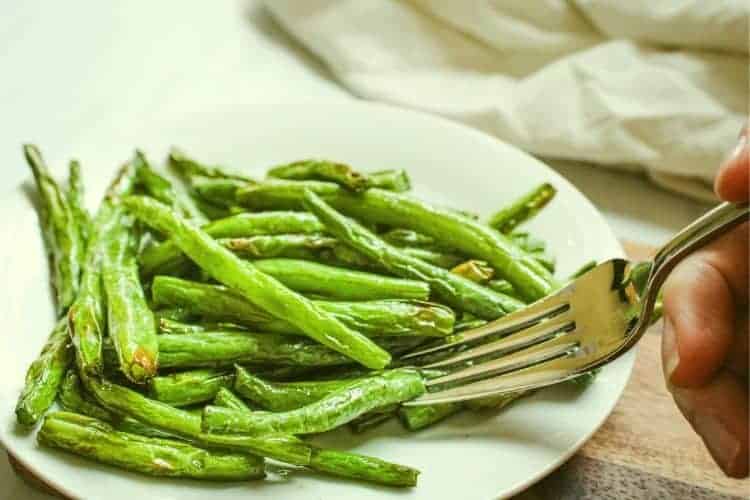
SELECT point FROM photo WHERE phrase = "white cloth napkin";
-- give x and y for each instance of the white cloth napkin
(654, 85)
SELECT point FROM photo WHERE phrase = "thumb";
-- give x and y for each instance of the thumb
(733, 179)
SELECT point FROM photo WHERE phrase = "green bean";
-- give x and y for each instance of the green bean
(236, 226)
(423, 247)
(322, 170)
(94, 439)
(474, 270)
(468, 324)
(523, 208)
(446, 226)
(415, 418)
(60, 229)
(528, 242)
(345, 256)
(125, 401)
(78, 204)
(86, 315)
(188, 167)
(285, 396)
(173, 314)
(221, 192)
(342, 284)
(286, 373)
(338, 408)
(253, 224)
(588, 266)
(407, 238)
(210, 210)
(214, 302)
(444, 260)
(225, 397)
(167, 325)
(74, 399)
(293, 246)
(383, 318)
(162, 189)
(224, 348)
(502, 286)
(456, 291)
(262, 290)
(189, 387)
(45, 375)
(394, 317)
(392, 180)
(535, 248)
(288, 195)
(341, 463)
(355, 466)
(131, 323)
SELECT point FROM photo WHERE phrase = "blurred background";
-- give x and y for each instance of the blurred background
(635, 102)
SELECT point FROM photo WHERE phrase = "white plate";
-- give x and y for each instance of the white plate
(469, 456)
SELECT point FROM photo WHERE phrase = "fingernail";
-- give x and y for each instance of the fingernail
(669, 345)
(723, 445)
(738, 150)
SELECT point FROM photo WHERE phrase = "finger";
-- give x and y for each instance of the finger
(700, 299)
(737, 358)
(733, 179)
(718, 412)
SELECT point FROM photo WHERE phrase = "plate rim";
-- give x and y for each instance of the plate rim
(296, 104)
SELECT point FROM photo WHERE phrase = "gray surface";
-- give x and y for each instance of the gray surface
(590, 479)
(69, 67)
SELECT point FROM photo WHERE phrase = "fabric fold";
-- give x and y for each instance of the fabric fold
(655, 86)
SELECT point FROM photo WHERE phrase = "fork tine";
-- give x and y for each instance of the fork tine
(524, 339)
(484, 380)
(541, 310)
(514, 382)
(502, 366)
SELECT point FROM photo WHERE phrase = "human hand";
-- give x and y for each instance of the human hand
(705, 338)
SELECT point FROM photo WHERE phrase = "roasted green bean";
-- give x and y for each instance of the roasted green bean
(323, 170)
(94, 439)
(225, 397)
(256, 286)
(523, 208)
(125, 401)
(455, 290)
(167, 254)
(61, 232)
(86, 315)
(333, 410)
(131, 323)
(382, 318)
(189, 387)
(285, 396)
(340, 284)
(45, 375)
(446, 226)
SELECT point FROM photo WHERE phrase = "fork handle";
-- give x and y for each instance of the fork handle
(702, 231)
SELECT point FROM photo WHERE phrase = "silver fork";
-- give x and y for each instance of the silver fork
(585, 325)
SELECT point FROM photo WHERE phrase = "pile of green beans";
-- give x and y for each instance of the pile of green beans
(210, 319)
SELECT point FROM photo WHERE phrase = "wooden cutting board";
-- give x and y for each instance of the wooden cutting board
(645, 450)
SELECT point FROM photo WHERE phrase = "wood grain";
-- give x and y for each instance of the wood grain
(645, 450)
(647, 432)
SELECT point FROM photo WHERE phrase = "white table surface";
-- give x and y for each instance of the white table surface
(67, 68)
